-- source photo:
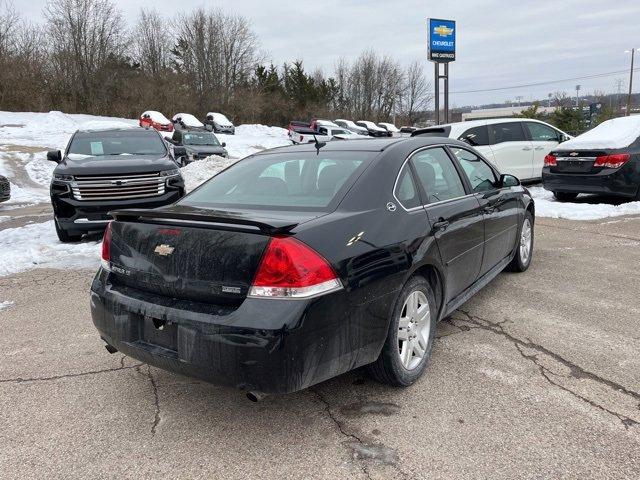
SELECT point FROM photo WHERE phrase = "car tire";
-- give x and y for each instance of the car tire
(400, 362)
(64, 236)
(524, 247)
(565, 196)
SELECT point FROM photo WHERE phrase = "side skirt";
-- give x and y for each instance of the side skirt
(477, 286)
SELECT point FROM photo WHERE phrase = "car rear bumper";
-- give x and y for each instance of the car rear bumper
(621, 182)
(266, 345)
(78, 216)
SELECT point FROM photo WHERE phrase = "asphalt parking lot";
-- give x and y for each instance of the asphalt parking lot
(538, 376)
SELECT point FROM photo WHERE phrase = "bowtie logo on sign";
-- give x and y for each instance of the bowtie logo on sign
(443, 31)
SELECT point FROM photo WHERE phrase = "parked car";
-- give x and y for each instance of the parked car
(406, 131)
(301, 132)
(389, 127)
(373, 129)
(5, 189)
(337, 133)
(197, 145)
(153, 119)
(220, 123)
(298, 264)
(103, 170)
(604, 160)
(349, 125)
(515, 145)
(186, 121)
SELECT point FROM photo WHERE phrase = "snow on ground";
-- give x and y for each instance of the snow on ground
(4, 305)
(548, 206)
(250, 139)
(37, 246)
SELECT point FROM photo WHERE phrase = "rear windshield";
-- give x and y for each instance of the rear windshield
(433, 132)
(200, 138)
(286, 181)
(120, 142)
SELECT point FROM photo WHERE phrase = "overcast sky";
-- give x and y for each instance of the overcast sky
(500, 42)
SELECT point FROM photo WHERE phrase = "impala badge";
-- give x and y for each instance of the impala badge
(164, 250)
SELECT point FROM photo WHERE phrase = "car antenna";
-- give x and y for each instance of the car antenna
(318, 144)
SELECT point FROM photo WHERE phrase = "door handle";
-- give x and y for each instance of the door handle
(526, 148)
(539, 148)
(489, 209)
(441, 224)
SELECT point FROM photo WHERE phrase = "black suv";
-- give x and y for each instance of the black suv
(198, 144)
(103, 170)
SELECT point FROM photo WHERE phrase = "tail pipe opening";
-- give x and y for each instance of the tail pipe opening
(256, 396)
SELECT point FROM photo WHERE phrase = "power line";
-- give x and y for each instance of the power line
(548, 82)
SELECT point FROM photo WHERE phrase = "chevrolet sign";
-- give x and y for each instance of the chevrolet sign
(442, 40)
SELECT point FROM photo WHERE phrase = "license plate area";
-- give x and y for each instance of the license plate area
(159, 332)
(575, 164)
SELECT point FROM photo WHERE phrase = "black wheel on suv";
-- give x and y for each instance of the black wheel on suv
(406, 351)
(64, 236)
(565, 196)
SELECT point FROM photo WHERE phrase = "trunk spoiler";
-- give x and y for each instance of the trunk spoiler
(269, 226)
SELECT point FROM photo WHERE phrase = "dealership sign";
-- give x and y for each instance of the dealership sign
(442, 40)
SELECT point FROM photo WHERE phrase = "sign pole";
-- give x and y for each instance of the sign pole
(446, 92)
(437, 93)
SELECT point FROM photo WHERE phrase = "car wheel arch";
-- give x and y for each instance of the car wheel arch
(436, 279)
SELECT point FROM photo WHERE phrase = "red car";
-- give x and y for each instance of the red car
(152, 119)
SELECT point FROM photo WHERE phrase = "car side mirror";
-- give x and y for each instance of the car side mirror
(224, 144)
(507, 180)
(54, 156)
(179, 152)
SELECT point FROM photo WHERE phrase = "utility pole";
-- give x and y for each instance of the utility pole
(619, 91)
(550, 95)
(577, 96)
(628, 112)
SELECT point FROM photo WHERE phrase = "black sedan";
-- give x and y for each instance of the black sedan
(601, 161)
(300, 263)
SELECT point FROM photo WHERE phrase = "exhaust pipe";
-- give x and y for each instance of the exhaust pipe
(256, 396)
(110, 348)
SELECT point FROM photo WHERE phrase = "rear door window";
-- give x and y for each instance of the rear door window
(406, 191)
(285, 181)
(507, 132)
(437, 175)
(480, 175)
(476, 136)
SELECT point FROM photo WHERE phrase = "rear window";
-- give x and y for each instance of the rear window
(433, 132)
(287, 181)
(119, 142)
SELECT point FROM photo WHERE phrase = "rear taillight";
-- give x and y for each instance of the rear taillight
(550, 161)
(291, 269)
(612, 161)
(106, 248)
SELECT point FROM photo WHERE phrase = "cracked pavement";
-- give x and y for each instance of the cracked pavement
(538, 376)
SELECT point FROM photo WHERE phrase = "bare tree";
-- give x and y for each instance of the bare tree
(86, 38)
(151, 44)
(216, 53)
(416, 94)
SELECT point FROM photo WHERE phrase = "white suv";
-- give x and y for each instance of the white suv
(517, 146)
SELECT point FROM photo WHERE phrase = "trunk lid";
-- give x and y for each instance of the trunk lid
(192, 254)
(576, 161)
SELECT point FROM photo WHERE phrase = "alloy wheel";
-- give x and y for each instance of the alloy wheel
(414, 329)
(525, 241)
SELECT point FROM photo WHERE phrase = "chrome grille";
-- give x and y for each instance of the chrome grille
(118, 186)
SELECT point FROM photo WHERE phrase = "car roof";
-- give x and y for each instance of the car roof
(115, 129)
(366, 145)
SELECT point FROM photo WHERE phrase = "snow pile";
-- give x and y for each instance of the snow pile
(4, 305)
(200, 171)
(37, 246)
(615, 133)
(50, 130)
(548, 206)
(40, 170)
(250, 139)
(26, 196)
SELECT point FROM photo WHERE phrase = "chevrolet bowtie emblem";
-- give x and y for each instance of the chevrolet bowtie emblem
(574, 154)
(443, 30)
(164, 250)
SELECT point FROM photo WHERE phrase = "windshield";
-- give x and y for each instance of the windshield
(341, 132)
(117, 142)
(285, 181)
(200, 138)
